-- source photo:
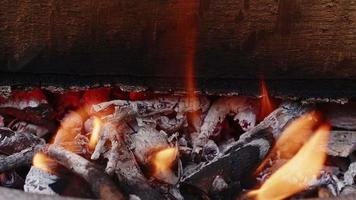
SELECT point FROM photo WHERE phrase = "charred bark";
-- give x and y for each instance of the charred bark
(100, 183)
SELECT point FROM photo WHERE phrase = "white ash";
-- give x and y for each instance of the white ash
(39, 181)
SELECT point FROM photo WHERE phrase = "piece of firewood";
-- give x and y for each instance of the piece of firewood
(100, 183)
(162, 105)
(340, 115)
(22, 126)
(341, 143)
(40, 115)
(147, 140)
(12, 142)
(217, 113)
(19, 159)
(11, 179)
(122, 162)
(245, 155)
(171, 125)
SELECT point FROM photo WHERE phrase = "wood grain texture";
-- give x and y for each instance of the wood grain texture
(235, 38)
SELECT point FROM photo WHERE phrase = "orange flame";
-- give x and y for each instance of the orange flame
(95, 133)
(71, 126)
(299, 131)
(163, 161)
(42, 162)
(298, 172)
(187, 29)
(267, 106)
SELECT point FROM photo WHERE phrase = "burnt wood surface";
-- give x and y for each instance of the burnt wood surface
(230, 43)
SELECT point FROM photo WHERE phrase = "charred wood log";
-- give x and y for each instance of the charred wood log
(341, 143)
(217, 113)
(22, 126)
(11, 179)
(122, 162)
(19, 159)
(101, 184)
(146, 141)
(40, 115)
(12, 142)
(245, 154)
(126, 110)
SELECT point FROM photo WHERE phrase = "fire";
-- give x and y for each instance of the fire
(299, 131)
(302, 169)
(163, 161)
(95, 132)
(41, 161)
(267, 106)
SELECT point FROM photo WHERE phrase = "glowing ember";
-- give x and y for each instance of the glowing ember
(163, 161)
(95, 133)
(299, 172)
(267, 105)
(41, 161)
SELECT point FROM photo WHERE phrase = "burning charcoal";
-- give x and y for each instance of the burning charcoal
(218, 185)
(231, 167)
(350, 189)
(22, 99)
(171, 125)
(146, 140)
(341, 115)
(11, 179)
(67, 101)
(2, 123)
(245, 155)
(122, 162)
(246, 118)
(324, 193)
(217, 113)
(19, 159)
(12, 142)
(342, 143)
(350, 174)
(211, 150)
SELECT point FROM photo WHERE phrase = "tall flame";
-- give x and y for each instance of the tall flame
(267, 106)
(94, 137)
(187, 29)
(298, 172)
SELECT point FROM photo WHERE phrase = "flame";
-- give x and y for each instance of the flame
(95, 132)
(298, 172)
(299, 131)
(163, 161)
(267, 106)
(70, 127)
(42, 162)
(187, 29)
